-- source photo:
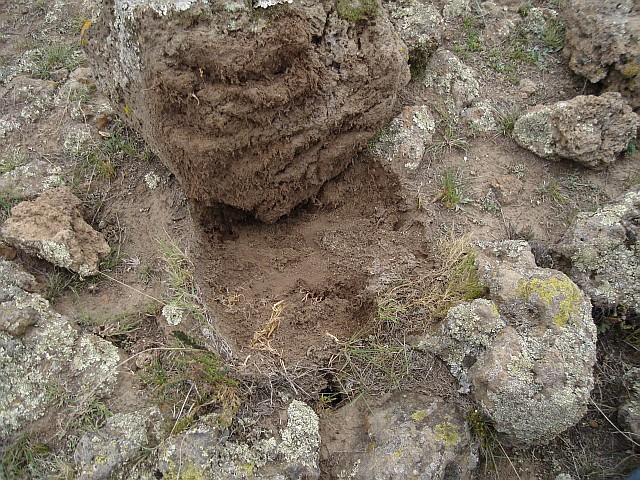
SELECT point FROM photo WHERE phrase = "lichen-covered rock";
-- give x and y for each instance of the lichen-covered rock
(52, 228)
(108, 453)
(250, 105)
(604, 253)
(587, 129)
(451, 81)
(42, 352)
(419, 25)
(603, 43)
(205, 451)
(401, 436)
(527, 353)
(403, 143)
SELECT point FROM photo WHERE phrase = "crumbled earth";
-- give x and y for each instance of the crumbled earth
(279, 303)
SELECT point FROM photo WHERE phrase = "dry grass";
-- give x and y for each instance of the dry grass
(262, 337)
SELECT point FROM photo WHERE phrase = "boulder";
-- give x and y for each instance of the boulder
(109, 452)
(526, 353)
(587, 129)
(603, 43)
(43, 356)
(253, 105)
(629, 410)
(400, 436)
(206, 451)
(604, 254)
(52, 228)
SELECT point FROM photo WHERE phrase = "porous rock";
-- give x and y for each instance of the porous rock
(52, 228)
(250, 106)
(603, 43)
(400, 436)
(526, 353)
(452, 83)
(42, 352)
(420, 27)
(587, 129)
(604, 254)
(206, 451)
(109, 452)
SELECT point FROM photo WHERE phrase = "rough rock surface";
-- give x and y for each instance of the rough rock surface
(41, 352)
(587, 129)
(604, 253)
(603, 43)
(52, 228)
(401, 436)
(451, 81)
(206, 451)
(526, 354)
(420, 27)
(250, 107)
(108, 452)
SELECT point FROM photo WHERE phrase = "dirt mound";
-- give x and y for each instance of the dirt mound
(255, 108)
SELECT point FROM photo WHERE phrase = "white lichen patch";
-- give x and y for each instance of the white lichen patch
(7, 126)
(56, 253)
(173, 314)
(301, 437)
(269, 3)
(76, 139)
(152, 180)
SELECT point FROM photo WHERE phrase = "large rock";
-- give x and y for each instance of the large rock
(43, 356)
(587, 129)
(604, 253)
(255, 107)
(52, 228)
(603, 43)
(206, 451)
(403, 436)
(526, 354)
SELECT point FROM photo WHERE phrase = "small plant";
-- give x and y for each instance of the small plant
(183, 294)
(553, 35)
(472, 42)
(51, 58)
(631, 149)
(190, 382)
(507, 121)
(452, 195)
(553, 190)
(11, 162)
(23, 458)
(8, 198)
(356, 10)
(58, 281)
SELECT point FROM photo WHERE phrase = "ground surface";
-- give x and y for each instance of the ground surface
(280, 302)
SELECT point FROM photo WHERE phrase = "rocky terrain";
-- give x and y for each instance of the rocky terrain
(296, 239)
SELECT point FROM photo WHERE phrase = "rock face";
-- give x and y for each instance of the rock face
(52, 228)
(629, 411)
(587, 129)
(604, 253)
(603, 43)
(42, 353)
(401, 436)
(255, 107)
(526, 354)
(206, 451)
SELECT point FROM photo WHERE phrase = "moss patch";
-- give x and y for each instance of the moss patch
(356, 10)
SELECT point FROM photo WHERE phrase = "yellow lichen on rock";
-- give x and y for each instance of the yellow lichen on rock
(558, 290)
(447, 433)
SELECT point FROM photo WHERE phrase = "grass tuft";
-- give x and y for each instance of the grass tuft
(51, 58)
(356, 10)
